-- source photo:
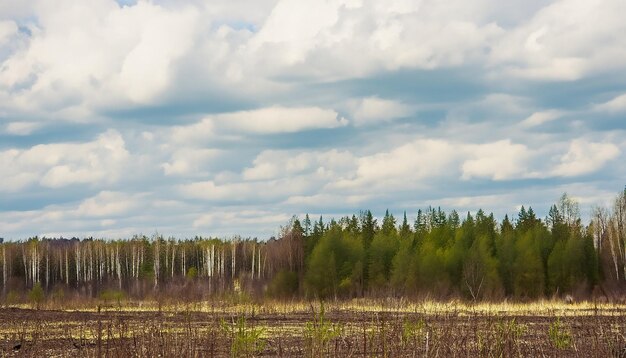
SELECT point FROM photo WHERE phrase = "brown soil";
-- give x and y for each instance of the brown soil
(195, 334)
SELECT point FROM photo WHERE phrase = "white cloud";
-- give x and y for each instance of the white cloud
(108, 214)
(97, 54)
(107, 66)
(566, 40)
(539, 118)
(272, 164)
(250, 192)
(498, 161)
(21, 128)
(617, 104)
(189, 161)
(237, 218)
(82, 59)
(109, 204)
(280, 120)
(401, 167)
(7, 29)
(197, 132)
(63, 164)
(269, 120)
(487, 202)
(321, 39)
(165, 36)
(325, 201)
(373, 109)
(584, 157)
(15, 9)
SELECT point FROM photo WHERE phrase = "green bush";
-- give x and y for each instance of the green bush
(246, 340)
(36, 295)
(13, 297)
(113, 296)
(192, 273)
(560, 337)
(284, 284)
(319, 332)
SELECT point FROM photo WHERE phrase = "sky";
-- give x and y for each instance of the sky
(228, 117)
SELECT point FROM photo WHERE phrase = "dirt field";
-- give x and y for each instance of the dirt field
(305, 330)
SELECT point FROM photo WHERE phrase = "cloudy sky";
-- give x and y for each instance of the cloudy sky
(227, 117)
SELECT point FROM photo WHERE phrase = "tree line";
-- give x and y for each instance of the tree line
(435, 254)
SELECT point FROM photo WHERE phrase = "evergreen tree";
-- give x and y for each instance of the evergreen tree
(307, 225)
(368, 228)
(296, 228)
(505, 251)
(389, 224)
(405, 229)
(529, 269)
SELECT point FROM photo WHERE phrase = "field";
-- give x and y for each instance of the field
(353, 328)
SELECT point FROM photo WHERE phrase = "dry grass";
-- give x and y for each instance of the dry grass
(386, 328)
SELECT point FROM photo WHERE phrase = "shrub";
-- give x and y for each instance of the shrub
(192, 273)
(284, 284)
(560, 337)
(36, 295)
(113, 295)
(246, 340)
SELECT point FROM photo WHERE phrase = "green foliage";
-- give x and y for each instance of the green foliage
(319, 332)
(284, 284)
(116, 296)
(13, 297)
(246, 341)
(412, 330)
(507, 337)
(36, 295)
(192, 273)
(335, 266)
(560, 337)
(480, 270)
(381, 254)
(146, 270)
(529, 273)
(442, 255)
(401, 265)
(505, 252)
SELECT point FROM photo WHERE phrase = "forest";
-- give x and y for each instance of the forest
(435, 254)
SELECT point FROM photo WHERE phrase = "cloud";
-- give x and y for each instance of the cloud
(7, 29)
(62, 164)
(564, 41)
(189, 161)
(248, 192)
(272, 164)
(617, 104)
(241, 218)
(278, 119)
(475, 202)
(119, 117)
(373, 109)
(21, 128)
(14, 9)
(109, 204)
(96, 55)
(321, 39)
(269, 120)
(401, 167)
(498, 161)
(539, 118)
(585, 157)
(324, 201)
